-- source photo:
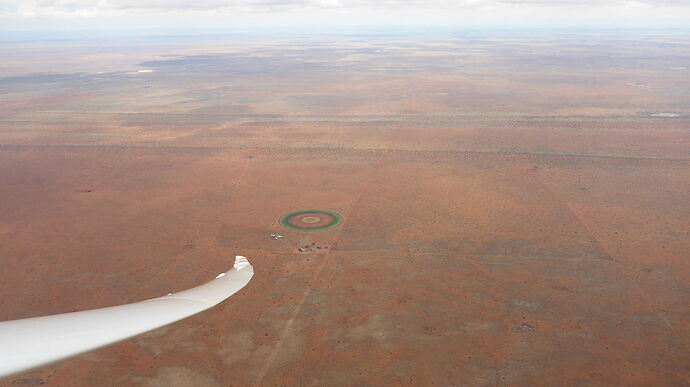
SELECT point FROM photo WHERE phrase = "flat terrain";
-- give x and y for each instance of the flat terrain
(516, 210)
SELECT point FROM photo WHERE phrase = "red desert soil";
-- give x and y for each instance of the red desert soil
(539, 239)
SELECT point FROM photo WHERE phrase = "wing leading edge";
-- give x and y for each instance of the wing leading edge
(32, 342)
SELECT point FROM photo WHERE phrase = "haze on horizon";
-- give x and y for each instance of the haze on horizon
(16, 15)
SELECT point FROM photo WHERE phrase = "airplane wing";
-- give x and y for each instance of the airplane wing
(32, 342)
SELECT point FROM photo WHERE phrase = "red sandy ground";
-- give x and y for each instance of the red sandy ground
(475, 249)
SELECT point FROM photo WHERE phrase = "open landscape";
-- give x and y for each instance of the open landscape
(497, 209)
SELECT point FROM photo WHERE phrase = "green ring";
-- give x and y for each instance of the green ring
(336, 220)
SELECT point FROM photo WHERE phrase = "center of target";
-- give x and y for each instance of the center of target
(311, 219)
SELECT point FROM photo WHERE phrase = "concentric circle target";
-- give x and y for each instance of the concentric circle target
(311, 220)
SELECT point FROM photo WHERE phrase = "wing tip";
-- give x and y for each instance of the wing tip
(241, 262)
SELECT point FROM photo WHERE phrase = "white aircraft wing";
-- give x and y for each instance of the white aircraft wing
(32, 342)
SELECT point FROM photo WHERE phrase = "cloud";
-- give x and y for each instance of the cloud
(386, 12)
(104, 5)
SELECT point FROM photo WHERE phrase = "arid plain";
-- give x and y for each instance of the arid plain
(516, 209)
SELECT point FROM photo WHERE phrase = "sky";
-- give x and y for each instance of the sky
(254, 14)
